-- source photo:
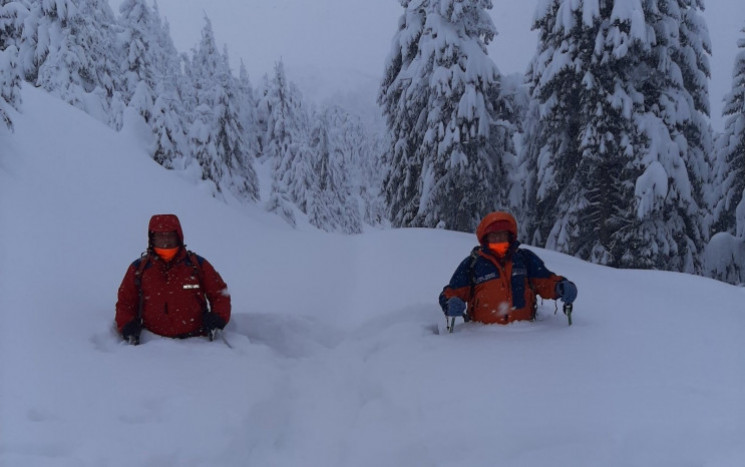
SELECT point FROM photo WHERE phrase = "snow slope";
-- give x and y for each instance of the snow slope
(334, 360)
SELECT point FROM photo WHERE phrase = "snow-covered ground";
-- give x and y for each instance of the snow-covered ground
(334, 359)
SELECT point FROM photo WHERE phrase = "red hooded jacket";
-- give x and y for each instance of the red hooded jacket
(175, 292)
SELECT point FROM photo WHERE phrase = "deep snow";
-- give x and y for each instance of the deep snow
(334, 360)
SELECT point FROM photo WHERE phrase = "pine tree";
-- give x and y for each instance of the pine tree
(331, 203)
(10, 84)
(372, 171)
(139, 56)
(440, 95)
(262, 113)
(361, 149)
(68, 49)
(201, 141)
(285, 143)
(232, 146)
(730, 177)
(322, 208)
(616, 134)
(725, 252)
(11, 23)
(168, 122)
(671, 231)
(580, 131)
(247, 100)
(227, 162)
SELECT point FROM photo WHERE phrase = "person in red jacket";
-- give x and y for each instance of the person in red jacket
(170, 291)
(499, 281)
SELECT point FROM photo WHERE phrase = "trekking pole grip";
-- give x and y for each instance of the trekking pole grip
(568, 311)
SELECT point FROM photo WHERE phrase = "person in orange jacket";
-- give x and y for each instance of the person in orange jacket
(499, 280)
(170, 291)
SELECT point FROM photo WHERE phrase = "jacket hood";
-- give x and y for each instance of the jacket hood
(165, 223)
(497, 217)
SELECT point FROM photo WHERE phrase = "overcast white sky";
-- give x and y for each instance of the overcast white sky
(330, 45)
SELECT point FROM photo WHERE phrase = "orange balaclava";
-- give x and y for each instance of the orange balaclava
(167, 254)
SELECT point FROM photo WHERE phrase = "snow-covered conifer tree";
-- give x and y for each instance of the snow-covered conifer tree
(285, 143)
(671, 229)
(262, 112)
(10, 83)
(67, 48)
(331, 203)
(229, 165)
(245, 95)
(139, 64)
(372, 171)
(362, 149)
(11, 19)
(168, 115)
(515, 95)
(234, 150)
(730, 174)
(725, 253)
(617, 134)
(201, 141)
(579, 130)
(440, 94)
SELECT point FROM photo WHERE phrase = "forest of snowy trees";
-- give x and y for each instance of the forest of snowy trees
(602, 150)
(205, 121)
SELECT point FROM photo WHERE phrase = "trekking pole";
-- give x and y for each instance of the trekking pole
(568, 311)
(450, 325)
(222, 337)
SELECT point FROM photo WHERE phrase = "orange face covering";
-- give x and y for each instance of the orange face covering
(166, 254)
(500, 248)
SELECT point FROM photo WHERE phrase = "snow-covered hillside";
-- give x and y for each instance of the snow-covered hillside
(334, 360)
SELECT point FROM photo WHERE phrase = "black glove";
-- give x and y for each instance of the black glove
(131, 332)
(212, 321)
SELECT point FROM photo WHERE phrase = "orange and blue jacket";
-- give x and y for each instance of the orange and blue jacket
(499, 291)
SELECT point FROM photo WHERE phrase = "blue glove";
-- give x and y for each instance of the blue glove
(567, 291)
(456, 308)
